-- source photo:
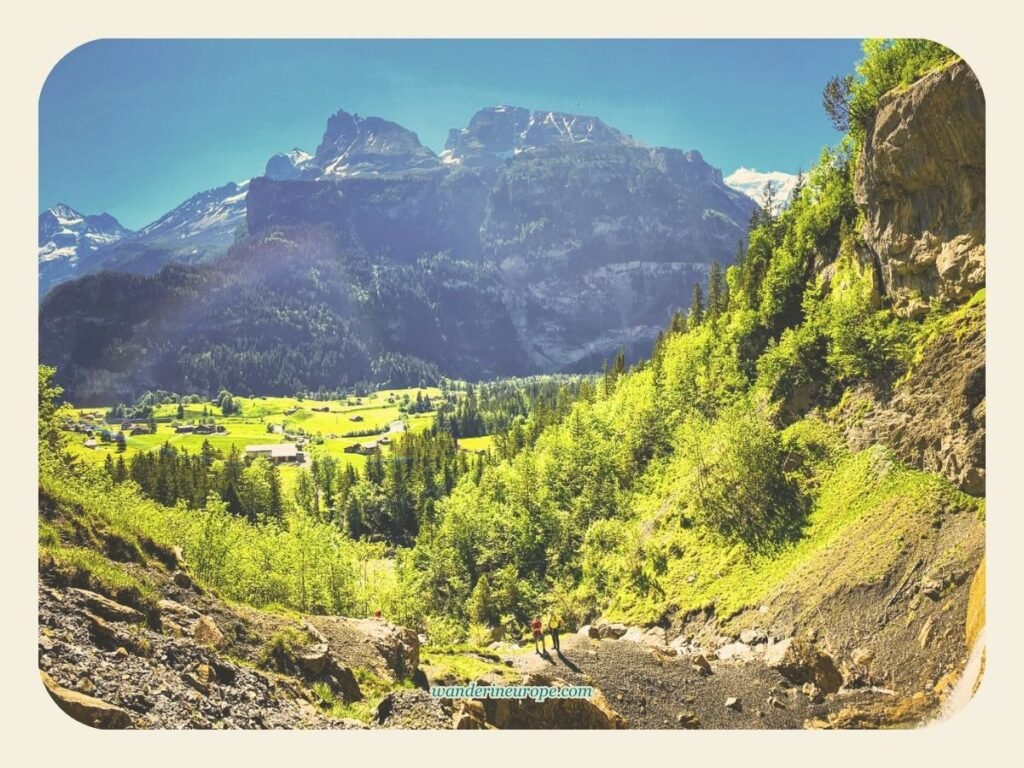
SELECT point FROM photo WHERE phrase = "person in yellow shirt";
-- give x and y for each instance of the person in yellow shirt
(554, 627)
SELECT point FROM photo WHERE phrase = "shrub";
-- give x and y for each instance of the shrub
(737, 486)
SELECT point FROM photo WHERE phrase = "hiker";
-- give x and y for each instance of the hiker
(554, 627)
(538, 635)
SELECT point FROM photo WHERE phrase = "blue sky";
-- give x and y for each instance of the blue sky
(133, 127)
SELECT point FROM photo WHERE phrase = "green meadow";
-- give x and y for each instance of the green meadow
(373, 412)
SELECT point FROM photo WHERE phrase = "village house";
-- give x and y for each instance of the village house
(184, 429)
(276, 453)
(363, 449)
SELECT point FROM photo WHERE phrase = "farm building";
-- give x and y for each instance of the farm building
(90, 443)
(184, 429)
(321, 409)
(357, 417)
(277, 453)
(363, 449)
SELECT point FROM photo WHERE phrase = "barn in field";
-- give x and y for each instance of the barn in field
(276, 453)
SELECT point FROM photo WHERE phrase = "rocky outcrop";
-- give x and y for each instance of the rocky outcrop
(921, 184)
(593, 713)
(799, 661)
(414, 710)
(114, 673)
(86, 709)
(936, 434)
(373, 643)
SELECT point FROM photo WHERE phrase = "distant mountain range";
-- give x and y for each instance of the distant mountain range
(72, 244)
(536, 241)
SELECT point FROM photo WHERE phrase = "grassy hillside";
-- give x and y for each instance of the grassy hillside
(716, 471)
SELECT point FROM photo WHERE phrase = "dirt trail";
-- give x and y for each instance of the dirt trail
(653, 690)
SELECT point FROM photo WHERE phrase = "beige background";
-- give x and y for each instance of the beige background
(38, 36)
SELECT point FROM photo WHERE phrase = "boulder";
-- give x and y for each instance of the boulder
(862, 657)
(734, 651)
(753, 636)
(799, 661)
(588, 630)
(343, 681)
(578, 714)
(700, 664)
(180, 614)
(107, 608)
(105, 634)
(374, 643)
(734, 704)
(313, 661)
(86, 709)
(688, 721)
(610, 631)
(469, 716)
(207, 632)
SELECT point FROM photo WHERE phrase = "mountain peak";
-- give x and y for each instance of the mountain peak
(354, 146)
(288, 165)
(496, 133)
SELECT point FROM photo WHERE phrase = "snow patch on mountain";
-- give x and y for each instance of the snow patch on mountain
(65, 234)
(751, 182)
(208, 218)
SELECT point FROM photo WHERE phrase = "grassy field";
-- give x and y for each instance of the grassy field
(375, 412)
(484, 443)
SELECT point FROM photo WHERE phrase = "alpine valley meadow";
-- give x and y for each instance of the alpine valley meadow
(315, 443)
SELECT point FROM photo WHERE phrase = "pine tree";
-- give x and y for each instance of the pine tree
(696, 307)
(715, 290)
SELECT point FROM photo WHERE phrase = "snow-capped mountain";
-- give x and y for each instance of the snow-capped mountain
(539, 242)
(355, 146)
(751, 182)
(64, 233)
(288, 165)
(209, 218)
(72, 244)
(67, 237)
(369, 146)
(497, 133)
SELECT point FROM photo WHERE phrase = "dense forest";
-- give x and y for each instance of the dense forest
(715, 454)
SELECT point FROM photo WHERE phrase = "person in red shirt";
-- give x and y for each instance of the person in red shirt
(538, 636)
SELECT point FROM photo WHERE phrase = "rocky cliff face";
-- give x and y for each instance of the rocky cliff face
(943, 434)
(596, 237)
(921, 184)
